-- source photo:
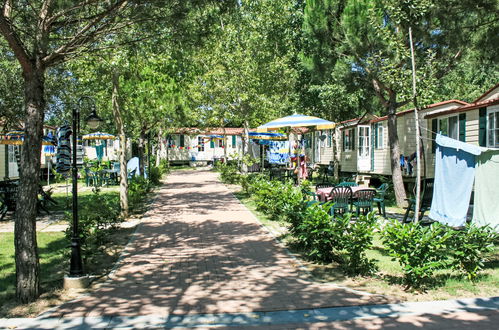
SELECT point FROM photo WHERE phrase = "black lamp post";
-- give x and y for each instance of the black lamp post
(93, 121)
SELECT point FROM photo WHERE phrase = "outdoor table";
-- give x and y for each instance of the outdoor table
(323, 193)
(110, 175)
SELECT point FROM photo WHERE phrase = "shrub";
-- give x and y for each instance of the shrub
(355, 239)
(316, 233)
(468, 248)
(95, 218)
(419, 250)
(155, 175)
(229, 173)
(138, 188)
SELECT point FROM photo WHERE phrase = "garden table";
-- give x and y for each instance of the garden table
(323, 193)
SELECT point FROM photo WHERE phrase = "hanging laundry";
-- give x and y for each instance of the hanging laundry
(278, 152)
(486, 206)
(454, 175)
(99, 151)
(63, 154)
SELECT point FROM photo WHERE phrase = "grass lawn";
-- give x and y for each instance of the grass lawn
(54, 256)
(54, 259)
(388, 280)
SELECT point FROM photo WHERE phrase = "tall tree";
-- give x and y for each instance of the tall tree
(42, 34)
(248, 67)
(372, 36)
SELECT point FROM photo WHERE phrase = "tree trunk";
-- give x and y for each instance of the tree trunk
(393, 140)
(26, 249)
(118, 119)
(141, 150)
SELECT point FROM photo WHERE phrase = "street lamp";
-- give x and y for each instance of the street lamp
(93, 121)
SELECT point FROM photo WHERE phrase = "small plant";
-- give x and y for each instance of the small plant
(468, 248)
(356, 237)
(419, 250)
(96, 218)
(229, 173)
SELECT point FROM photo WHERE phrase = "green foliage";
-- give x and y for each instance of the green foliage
(95, 217)
(468, 248)
(337, 239)
(155, 176)
(164, 166)
(356, 239)
(315, 233)
(420, 250)
(229, 173)
(138, 188)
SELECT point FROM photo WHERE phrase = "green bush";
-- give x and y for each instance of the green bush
(138, 187)
(155, 175)
(420, 250)
(468, 248)
(356, 237)
(95, 219)
(164, 166)
(229, 173)
(316, 234)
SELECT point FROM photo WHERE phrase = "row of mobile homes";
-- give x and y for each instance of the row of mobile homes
(361, 145)
(204, 146)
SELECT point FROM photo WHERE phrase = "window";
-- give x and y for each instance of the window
(221, 143)
(171, 141)
(493, 128)
(349, 139)
(449, 127)
(329, 138)
(200, 143)
(380, 136)
(182, 141)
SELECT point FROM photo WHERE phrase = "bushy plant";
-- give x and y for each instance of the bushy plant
(420, 250)
(316, 234)
(138, 187)
(155, 175)
(164, 167)
(229, 173)
(468, 248)
(95, 219)
(356, 237)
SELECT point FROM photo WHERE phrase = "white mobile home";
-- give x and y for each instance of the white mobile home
(202, 146)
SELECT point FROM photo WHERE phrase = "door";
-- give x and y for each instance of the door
(317, 143)
(13, 154)
(364, 149)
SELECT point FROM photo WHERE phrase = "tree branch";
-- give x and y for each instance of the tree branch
(83, 36)
(378, 89)
(14, 42)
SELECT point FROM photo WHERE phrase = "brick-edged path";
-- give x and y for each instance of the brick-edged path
(198, 250)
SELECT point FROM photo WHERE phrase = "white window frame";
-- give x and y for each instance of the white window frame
(381, 136)
(448, 126)
(493, 127)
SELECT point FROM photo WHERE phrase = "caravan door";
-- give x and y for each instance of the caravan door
(12, 158)
(364, 149)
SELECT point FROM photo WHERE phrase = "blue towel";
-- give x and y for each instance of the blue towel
(454, 175)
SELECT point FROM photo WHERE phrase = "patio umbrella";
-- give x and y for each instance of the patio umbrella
(98, 136)
(296, 121)
(266, 136)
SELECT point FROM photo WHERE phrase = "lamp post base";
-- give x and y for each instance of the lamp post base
(78, 282)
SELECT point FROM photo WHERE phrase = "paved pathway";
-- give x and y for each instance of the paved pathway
(201, 251)
(200, 259)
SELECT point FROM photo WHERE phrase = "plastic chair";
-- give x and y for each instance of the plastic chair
(426, 197)
(363, 200)
(91, 178)
(341, 197)
(379, 199)
(347, 184)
